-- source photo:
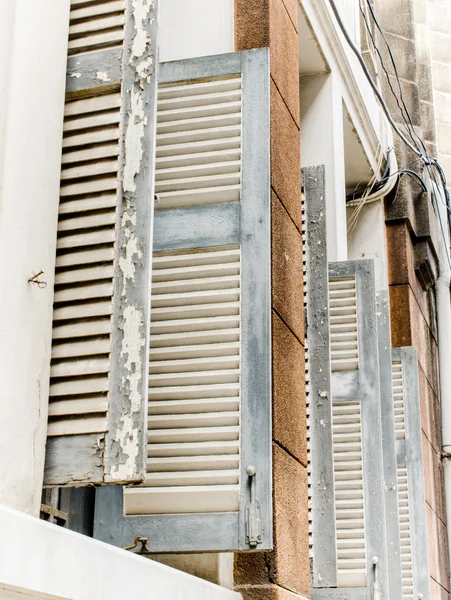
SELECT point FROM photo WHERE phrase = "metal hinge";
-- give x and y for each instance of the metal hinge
(253, 513)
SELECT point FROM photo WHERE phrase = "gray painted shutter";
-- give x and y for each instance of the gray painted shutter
(410, 478)
(345, 438)
(99, 372)
(209, 387)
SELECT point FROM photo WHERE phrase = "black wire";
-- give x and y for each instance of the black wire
(395, 68)
(369, 78)
(359, 192)
(402, 108)
(426, 159)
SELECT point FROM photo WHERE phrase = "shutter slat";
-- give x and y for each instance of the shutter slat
(194, 387)
(98, 386)
(189, 499)
(188, 117)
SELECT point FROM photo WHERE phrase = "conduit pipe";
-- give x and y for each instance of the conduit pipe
(442, 293)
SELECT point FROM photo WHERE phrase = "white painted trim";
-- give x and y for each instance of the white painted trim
(46, 560)
(32, 94)
(357, 94)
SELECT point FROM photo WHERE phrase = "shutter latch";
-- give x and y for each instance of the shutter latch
(253, 513)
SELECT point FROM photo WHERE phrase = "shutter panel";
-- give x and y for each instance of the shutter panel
(346, 460)
(209, 423)
(389, 446)
(99, 372)
(410, 478)
(356, 425)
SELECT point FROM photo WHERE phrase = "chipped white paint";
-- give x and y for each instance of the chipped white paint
(132, 251)
(141, 10)
(76, 75)
(144, 68)
(132, 343)
(133, 140)
(102, 76)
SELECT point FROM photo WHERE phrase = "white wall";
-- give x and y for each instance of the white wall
(191, 28)
(322, 143)
(45, 559)
(31, 102)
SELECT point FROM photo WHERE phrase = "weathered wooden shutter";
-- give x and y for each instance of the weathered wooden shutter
(99, 373)
(208, 484)
(346, 460)
(410, 478)
(389, 446)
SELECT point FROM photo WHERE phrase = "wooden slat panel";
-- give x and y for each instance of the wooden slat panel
(194, 394)
(192, 122)
(84, 272)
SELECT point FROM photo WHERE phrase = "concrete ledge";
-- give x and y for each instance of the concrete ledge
(40, 560)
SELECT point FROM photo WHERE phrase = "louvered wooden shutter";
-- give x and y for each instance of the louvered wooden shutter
(356, 425)
(99, 373)
(345, 445)
(410, 478)
(209, 389)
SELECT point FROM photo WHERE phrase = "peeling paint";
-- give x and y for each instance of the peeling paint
(102, 76)
(141, 10)
(132, 251)
(133, 141)
(76, 75)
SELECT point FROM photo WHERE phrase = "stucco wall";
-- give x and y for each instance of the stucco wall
(31, 109)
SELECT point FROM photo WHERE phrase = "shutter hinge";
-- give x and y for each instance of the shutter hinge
(253, 513)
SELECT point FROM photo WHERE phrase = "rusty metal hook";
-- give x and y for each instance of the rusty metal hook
(139, 540)
(35, 279)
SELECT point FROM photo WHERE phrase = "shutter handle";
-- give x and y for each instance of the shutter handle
(376, 584)
(253, 512)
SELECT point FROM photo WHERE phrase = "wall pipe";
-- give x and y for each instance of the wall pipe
(442, 293)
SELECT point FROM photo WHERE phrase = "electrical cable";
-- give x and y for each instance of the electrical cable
(395, 68)
(402, 108)
(427, 162)
(369, 78)
(357, 193)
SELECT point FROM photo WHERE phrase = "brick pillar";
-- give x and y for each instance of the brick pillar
(284, 573)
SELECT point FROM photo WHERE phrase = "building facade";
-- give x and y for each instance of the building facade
(226, 278)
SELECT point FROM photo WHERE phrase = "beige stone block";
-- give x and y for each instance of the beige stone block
(285, 156)
(437, 547)
(440, 47)
(441, 76)
(401, 26)
(267, 592)
(442, 106)
(291, 7)
(289, 416)
(432, 477)
(251, 24)
(439, 18)
(438, 592)
(404, 51)
(284, 45)
(430, 412)
(290, 565)
(444, 138)
(287, 269)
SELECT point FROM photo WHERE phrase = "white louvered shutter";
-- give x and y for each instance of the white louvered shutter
(99, 372)
(410, 478)
(347, 512)
(209, 386)
(356, 426)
